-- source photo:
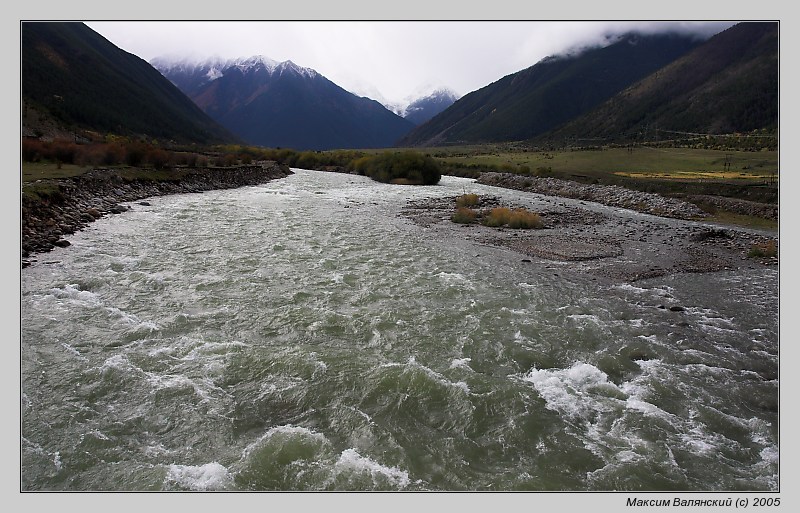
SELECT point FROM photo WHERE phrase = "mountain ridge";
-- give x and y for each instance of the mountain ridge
(426, 106)
(76, 78)
(728, 84)
(556, 89)
(282, 104)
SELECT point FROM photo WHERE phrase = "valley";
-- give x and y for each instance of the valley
(238, 274)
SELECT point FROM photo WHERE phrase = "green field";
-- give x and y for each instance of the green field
(667, 162)
(32, 171)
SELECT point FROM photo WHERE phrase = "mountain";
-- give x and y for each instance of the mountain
(281, 104)
(425, 107)
(417, 107)
(728, 84)
(553, 91)
(77, 79)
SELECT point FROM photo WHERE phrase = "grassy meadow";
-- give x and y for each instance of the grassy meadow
(639, 162)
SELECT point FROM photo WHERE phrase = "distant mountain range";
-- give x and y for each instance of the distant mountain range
(638, 87)
(76, 79)
(417, 107)
(281, 104)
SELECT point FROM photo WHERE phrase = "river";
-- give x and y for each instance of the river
(301, 335)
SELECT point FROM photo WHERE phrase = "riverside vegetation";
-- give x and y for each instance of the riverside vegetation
(670, 182)
(495, 217)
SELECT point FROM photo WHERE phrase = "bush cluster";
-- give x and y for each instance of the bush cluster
(303, 159)
(466, 170)
(464, 215)
(467, 200)
(130, 153)
(407, 167)
(767, 249)
(520, 218)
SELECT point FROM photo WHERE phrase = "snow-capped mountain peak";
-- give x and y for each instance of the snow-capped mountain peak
(289, 66)
(246, 64)
(173, 63)
(424, 106)
(215, 67)
(261, 100)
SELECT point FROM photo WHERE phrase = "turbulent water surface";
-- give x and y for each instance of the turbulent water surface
(301, 335)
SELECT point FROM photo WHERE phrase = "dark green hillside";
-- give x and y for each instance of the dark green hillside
(83, 81)
(557, 89)
(729, 84)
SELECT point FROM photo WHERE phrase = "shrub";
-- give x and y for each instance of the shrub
(114, 154)
(226, 160)
(410, 166)
(524, 219)
(464, 215)
(64, 151)
(158, 158)
(134, 155)
(190, 159)
(100, 154)
(306, 160)
(32, 150)
(359, 165)
(467, 200)
(519, 218)
(767, 249)
(497, 217)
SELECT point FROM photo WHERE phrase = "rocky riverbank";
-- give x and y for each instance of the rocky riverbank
(608, 244)
(739, 206)
(610, 195)
(51, 209)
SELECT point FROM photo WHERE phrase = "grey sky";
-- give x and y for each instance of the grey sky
(393, 59)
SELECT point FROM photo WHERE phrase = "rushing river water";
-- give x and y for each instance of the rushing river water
(301, 335)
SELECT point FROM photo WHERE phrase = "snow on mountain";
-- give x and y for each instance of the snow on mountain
(371, 92)
(400, 107)
(190, 73)
(173, 63)
(427, 105)
(215, 67)
(281, 104)
(246, 64)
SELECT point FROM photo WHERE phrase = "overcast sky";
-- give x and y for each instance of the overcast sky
(388, 61)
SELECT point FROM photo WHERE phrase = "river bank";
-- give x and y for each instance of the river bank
(615, 196)
(70, 204)
(619, 245)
